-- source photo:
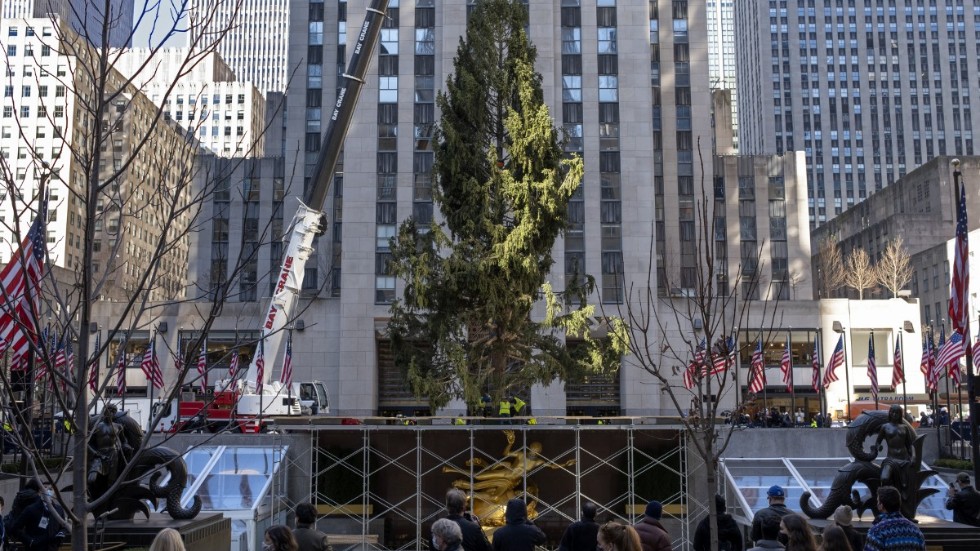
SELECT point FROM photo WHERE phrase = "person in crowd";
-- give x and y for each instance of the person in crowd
(167, 539)
(923, 420)
(473, 537)
(892, 531)
(798, 534)
(834, 539)
(769, 527)
(581, 534)
(519, 533)
(613, 536)
(843, 518)
(38, 526)
(279, 538)
(777, 508)
(446, 535)
(729, 536)
(653, 535)
(800, 417)
(308, 538)
(964, 501)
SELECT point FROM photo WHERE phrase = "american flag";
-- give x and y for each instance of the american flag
(949, 355)
(836, 360)
(723, 361)
(151, 365)
(19, 299)
(786, 365)
(872, 366)
(928, 359)
(816, 363)
(958, 296)
(233, 363)
(121, 374)
(61, 355)
(936, 368)
(93, 375)
(202, 367)
(695, 369)
(260, 367)
(286, 377)
(758, 370)
(898, 372)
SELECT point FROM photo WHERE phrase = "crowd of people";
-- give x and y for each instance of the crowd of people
(776, 418)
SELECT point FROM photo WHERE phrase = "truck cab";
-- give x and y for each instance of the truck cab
(312, 398)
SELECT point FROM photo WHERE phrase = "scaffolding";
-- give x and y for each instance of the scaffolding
(380, 487)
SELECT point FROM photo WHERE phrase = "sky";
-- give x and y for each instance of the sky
(157, 20)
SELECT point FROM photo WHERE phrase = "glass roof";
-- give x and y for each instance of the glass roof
(231, 478)
(750, 478)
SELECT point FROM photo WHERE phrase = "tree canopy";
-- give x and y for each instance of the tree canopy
(476, 283)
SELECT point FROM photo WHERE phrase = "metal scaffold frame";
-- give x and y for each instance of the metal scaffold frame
(384, 485)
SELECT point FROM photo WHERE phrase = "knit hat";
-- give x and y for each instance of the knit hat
(843, 515)
(654, 510)
(776, 491)
(963, 478)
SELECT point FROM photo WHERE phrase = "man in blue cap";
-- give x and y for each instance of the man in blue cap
(776, 509)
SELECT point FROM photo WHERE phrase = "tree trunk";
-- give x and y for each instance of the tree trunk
(711, 476)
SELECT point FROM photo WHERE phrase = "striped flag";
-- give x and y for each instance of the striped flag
(758, 370)
(233, 363)
(260, 367)
(949, 356)
(121, 374)
(45, 346)
(694, 368)
(721, 362)
(898, 372)
(959, 284)
(786, 365)
(928, 359)
(61, 355)
(19, 298)
(872, 366)
(836, 360)
(286, 378)
(816, 363)
(202, 366)
(93, 374)
(151, 365)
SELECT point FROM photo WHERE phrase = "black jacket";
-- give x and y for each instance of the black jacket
(38, 529)
(518, 534)
(853, 536)
(727, 532)
(965, 505)
(777, 510)
(580, 536)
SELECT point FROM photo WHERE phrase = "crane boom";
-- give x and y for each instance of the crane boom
(308, 222)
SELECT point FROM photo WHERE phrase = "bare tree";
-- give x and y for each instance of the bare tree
(697, 334)
(860, 274)
(122, 187)
(829, 268)
(894, 267)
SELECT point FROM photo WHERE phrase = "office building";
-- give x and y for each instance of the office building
(45, 140)
(84, 17)
(869, 90)
(225, 115)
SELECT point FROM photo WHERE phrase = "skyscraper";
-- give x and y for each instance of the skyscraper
(869, 90)
(255, 44)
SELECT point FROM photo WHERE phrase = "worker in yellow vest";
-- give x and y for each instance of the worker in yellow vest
(459, 421)
(504, 409)
(518, 405)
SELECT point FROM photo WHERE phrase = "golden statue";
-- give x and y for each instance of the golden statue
(501, 481)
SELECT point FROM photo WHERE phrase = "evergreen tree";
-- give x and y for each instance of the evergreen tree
(465, 325)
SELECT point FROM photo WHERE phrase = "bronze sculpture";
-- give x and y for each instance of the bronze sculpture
(495, 484)
(113, 443)
(901, 467)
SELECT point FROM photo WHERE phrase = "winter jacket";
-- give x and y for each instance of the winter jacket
(728, 533)
(776, 509)
(519, 534)
(653, 536)
(580, 536)
(965, 505)
(473, 537)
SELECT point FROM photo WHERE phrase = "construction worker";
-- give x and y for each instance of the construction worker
(518, 405)
(504, 409)
(459, 421)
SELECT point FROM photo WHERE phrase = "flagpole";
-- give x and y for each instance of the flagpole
(149, 383)
(792, 383)
(847, 373)
(901, 352)
(821, 391)
(971, 381)
(738, 383)
(874, 384)
(765, 392)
